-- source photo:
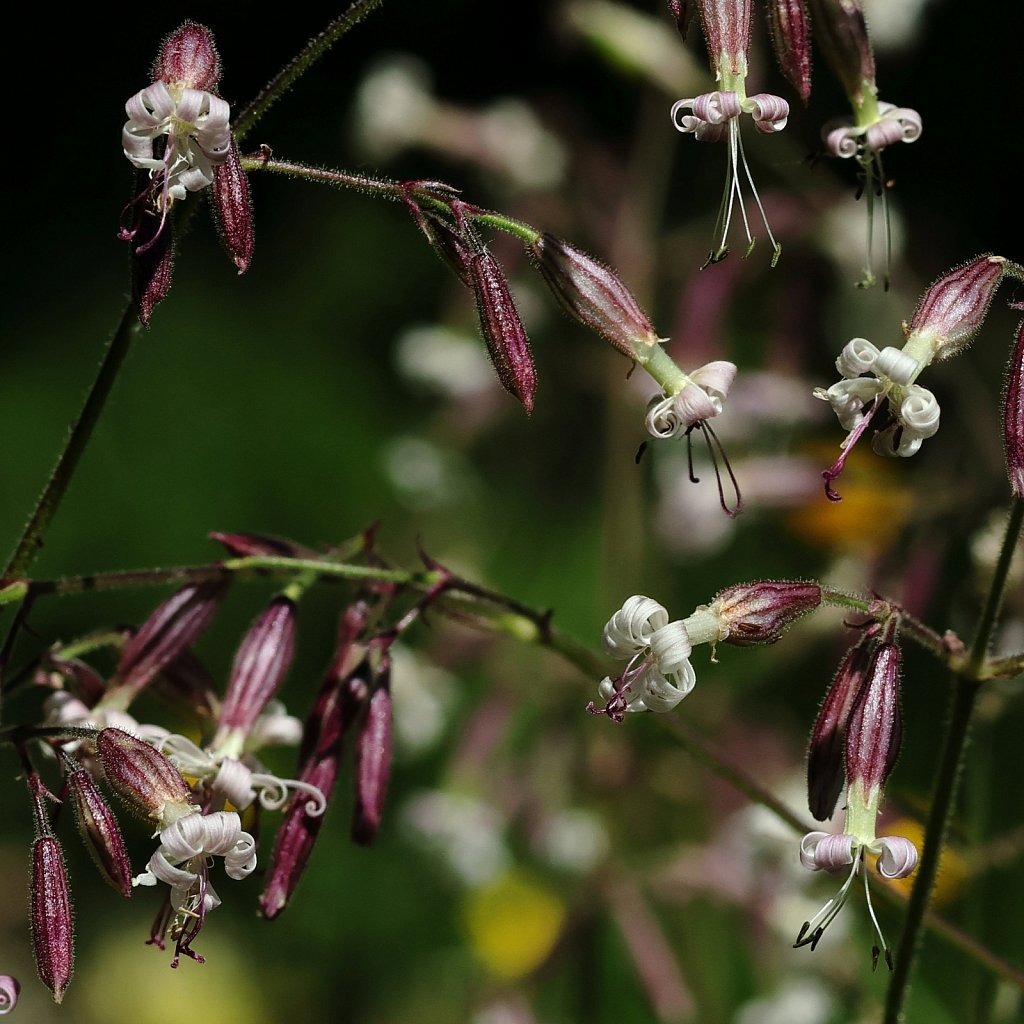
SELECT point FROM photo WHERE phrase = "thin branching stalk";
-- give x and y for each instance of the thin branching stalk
(966, 686)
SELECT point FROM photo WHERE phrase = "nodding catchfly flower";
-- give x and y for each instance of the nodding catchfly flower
(714, 116)
(686, 404)
(155, 791)
(863, 705)
(948, 316)
(843, 37)
(658, 673)
(178, 129)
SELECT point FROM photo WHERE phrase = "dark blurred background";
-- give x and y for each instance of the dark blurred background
(537, 864)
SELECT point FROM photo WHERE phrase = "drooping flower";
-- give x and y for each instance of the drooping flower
(714, 116)
(948, 316)
(658, 674)
(872, 743)
(154, 789)
(686, 404)
(177, 129)
(842, 34)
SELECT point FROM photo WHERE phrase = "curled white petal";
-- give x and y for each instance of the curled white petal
(848, 398)
(827, 852)
(629, 630)
(897, 857)
(842, 142)
(717, 107)
(808, 844)
(770, 112)
(910, 122)
(659, 691)
(274, 727)
(10, 987)
(670, 647)
(919, 412)
(235, 781)
(896, 365)
(715, 379)
(895, 442)
(883, 133)
(671, 416)
(857, 357)
(274, 792)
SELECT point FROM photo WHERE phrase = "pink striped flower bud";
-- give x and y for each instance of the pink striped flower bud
(759, 613)
(826, 753)
(842, 34)
(99, 829)
(336, 709)
(727, 31)
(791, 38)
(1013, 417)
(594, 296)
(232, 209)
(53, 932)
(188, 57)
(448, 243)
(373, 761)
(247, 545)
(875, 730)
(9, 991)
(259, 669)
(168, 631)
(152, 268)
(953, 309)
(682, 11)
(150, 786)
(503, 331)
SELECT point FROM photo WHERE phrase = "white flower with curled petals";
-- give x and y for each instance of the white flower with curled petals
(658, 674)
(914, 412)
(876, 126)
(700, 397)
(714, 117)
(178, 134)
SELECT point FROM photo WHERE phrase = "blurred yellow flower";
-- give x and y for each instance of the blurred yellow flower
(513, 924)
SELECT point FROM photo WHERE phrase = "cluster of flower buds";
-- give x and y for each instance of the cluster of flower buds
(856, 740)
(714, 116)
(178, 135)
(948, 316)
(658, 673)
(193, 794)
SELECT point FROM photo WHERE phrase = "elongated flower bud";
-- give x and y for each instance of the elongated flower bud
(1013, 417)
(827, 750)
(9, 990)
(141, 776)
(232, 209)
(758, 613)
(683, 12)
(791, 38)
(446, 242)
(168, 631)
(952, 310)
(875, 730)
(245, 545)
(99, 829)
(373, 763)
(188, 56)
(336, 709)
(259, 669)
(842, 34)
(503, 331)
(727, 31)
(53, 932)
(152, 268)
(594, 295)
